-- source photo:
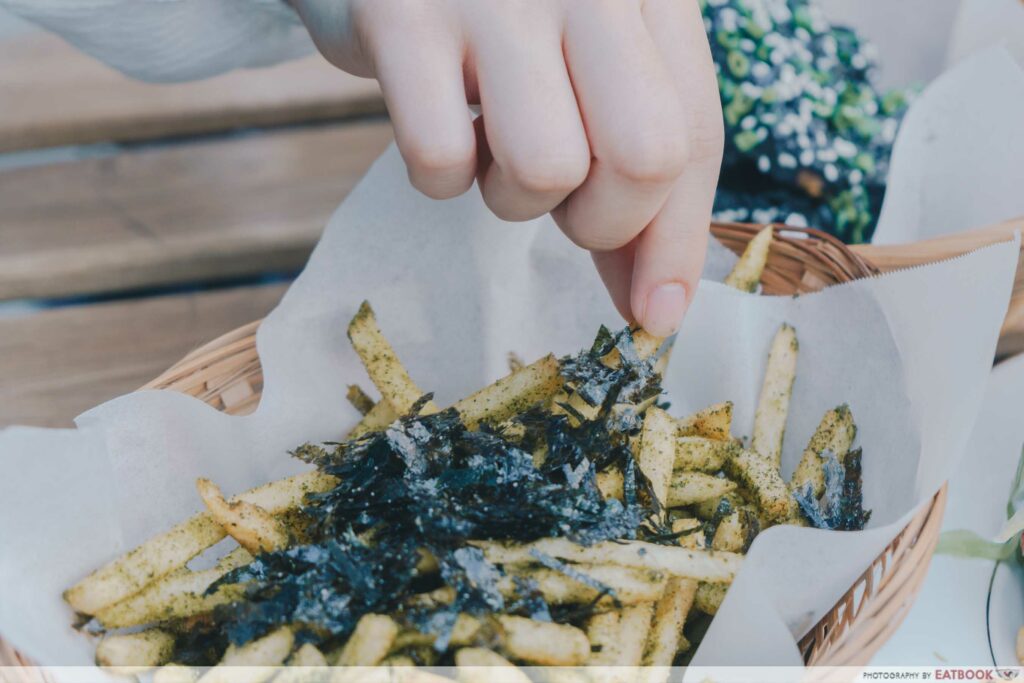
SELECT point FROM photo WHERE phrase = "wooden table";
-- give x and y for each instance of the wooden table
(138, 221)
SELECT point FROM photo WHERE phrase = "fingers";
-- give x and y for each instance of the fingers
(419, 67)
(616, 271)
(634, 121)
(534, 136)
(669, 254)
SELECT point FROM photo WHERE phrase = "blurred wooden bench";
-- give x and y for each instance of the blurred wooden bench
(225, 181)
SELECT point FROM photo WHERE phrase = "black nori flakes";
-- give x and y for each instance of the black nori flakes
(842, 506)
(632, 381)
(427, 482)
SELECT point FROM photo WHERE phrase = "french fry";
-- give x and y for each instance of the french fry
(736, 531)
(176, 595)
(708, 509)
(646, 344)
(544, 643)
(746, 274)
(701, 454)
(253, 662)
(715, 567)
(307, 655)
(172, 549)
(693, 540)
(306, 665)
(658, 452)
(535, 642)
(709, 597)
(761, 477)
(397, 660)
(610, 482)
(629, 585)
(379, 417)
(835, 433)
(773, 404)
(175, 673)
(713, 422)
(479, 665)
(464, 632)
(512, 394)
(135, 652)
(382, 365)
(370, 642)
(667, 624)
(696, 487)
(622, 639)
(254, 528)
(359, 399)
(603, 634)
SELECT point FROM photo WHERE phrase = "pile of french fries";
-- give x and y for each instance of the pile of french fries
(714, 492)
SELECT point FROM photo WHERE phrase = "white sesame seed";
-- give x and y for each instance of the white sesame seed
(764, 164)
(787, 160)
(831, 173)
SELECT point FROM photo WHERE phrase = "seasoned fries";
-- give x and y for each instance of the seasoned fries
(472, 660)
(512, 394)
(714, 422)
(773, 405)
(544, 643)
(703, 454)
(697, 564)
(177, 595)
(658, 452)
(259, 656)
(370, 642)
(689, 488)
(254, 528)
(709, 597)
(557, 517)
(761, 477)
(382, 365)
(135, 652)
(669, 618)
(746, 274)
(835, 433)
(171, 550)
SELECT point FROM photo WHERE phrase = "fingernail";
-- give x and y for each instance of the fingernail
(665, 307)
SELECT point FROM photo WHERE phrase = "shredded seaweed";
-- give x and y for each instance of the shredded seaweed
(632, 380)
(427, 483)
(842, 506)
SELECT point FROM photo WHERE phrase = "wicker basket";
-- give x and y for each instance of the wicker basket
(226, 373)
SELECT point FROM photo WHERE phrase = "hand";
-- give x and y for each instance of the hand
(605, 113)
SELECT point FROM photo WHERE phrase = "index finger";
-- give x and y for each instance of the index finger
(669, 253)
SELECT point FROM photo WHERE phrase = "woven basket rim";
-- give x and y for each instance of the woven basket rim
(226, 373)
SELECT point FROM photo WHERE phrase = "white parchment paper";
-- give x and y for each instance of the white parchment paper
(456, 290)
